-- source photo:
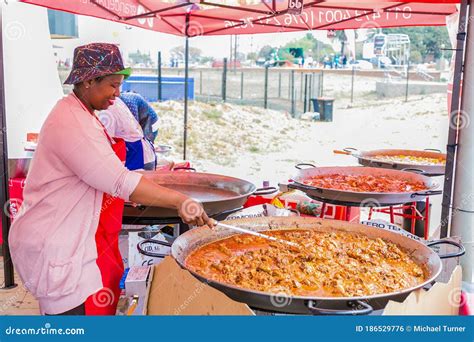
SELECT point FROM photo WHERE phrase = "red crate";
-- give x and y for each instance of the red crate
(331, 211)
(15, 187)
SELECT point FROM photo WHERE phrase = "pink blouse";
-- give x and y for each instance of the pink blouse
(52, 240)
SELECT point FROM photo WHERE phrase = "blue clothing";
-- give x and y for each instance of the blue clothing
(143, 112)
(134, 159)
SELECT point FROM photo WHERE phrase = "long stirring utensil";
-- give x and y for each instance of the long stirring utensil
(251, 232)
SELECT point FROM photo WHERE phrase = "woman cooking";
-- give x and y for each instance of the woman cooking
(64, 244)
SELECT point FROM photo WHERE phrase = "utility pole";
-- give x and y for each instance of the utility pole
(235, 52)
(231, 47)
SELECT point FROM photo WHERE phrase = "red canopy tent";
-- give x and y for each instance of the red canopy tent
(223, 18)
(191, 18)
(219, 17)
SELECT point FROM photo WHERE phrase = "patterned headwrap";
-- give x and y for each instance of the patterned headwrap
(95, 60)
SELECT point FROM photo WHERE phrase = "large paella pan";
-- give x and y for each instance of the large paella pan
(355, 185)
(425, 263)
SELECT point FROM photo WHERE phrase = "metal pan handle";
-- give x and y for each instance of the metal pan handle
(350, 150)
(357, 308)
(299, 166)
(184, 168)
(265, 191)
(414, 170)
(432, 149)
(341, 152)
(296, 211)
(461, 251)
(303, 187)
(135, 205)
(223, 215)
(151, 254)
(426, 193)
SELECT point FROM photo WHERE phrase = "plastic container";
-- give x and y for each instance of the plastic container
(325, 105)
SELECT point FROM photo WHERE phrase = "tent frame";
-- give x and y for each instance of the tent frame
(4, 193)
(452, 145)
(271, 13)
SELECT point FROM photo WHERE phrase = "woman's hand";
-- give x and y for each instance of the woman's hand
(192, 213)
(149, 193)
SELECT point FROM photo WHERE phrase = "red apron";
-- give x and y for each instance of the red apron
(109, 260)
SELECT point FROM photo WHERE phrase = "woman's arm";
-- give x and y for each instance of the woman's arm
(80, 143)
(151, 194)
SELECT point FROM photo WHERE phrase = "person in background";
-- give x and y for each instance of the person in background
(120, 122)
(143, 113)
(344, 61)
(327, 62)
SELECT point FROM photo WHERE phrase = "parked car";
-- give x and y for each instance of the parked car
(381, 62)
(363, 65)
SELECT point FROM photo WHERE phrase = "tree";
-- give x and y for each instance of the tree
(425, 40)
(311, 47)
(140, 58)
(240, 56)
(194, 53)
(415, 57)
(341, 36)
(252, 56)
(306, 43)
(266, 52)
(206, 60)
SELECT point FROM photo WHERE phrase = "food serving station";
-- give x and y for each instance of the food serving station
(325, 272)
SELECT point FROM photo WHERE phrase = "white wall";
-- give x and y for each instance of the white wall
(32, 85)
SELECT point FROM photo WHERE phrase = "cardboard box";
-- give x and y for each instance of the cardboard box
(137, 281)
(175, 291)
(137, 285)
(441, 299)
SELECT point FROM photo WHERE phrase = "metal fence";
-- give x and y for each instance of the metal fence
(269, 88)
(291, 90)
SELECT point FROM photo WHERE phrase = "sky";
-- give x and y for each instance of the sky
(132, 38)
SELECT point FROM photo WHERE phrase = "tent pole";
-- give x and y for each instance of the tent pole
(446, 213)
(462, 224)
(159, 77)
(186, 75)
(4, 196)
